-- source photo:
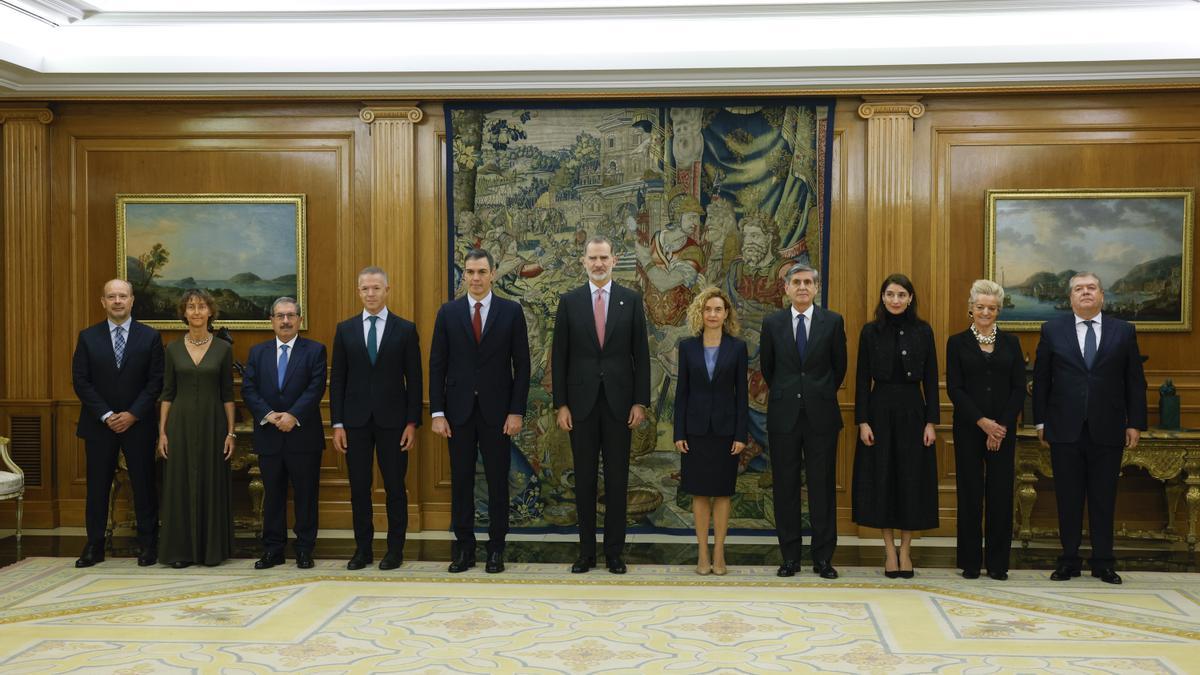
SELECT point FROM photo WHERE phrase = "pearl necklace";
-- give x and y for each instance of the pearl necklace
(197, 343)
(984, 339)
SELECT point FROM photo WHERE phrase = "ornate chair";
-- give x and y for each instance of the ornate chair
(12, 482)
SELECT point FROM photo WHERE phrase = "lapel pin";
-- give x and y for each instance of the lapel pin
(620, 302)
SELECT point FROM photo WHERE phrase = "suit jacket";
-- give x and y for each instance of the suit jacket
(812, 385)
(982, 386)
(101, 386)
(388, 390)
(303, 385)
(1111, 396)
(718, 405)
(579, 365)
(496, 369)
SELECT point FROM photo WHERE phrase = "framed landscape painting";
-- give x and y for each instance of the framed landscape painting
(1139, 243)
(244, 249)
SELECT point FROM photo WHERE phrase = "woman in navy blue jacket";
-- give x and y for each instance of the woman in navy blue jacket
(711, 418)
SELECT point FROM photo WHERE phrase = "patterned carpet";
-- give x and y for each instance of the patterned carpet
(538, 618)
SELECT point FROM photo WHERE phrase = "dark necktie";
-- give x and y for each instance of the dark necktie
(1089, 345)
(801, 338)
(372, 346)
(119, 344)
(477, 322)
(282, 366)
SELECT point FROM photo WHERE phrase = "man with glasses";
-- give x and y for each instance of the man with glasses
(282, 386)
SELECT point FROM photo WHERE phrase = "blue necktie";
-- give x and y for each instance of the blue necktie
(1089, 345)
(282, 366)
(372, 347)
(119, 344)
(801, 338)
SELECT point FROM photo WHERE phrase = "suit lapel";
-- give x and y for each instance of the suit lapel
(816, 332)
(616, 307)
(587, 310)
(272, 369)
(464, 309)
(131, 336)
(494, 314)
(1072, 337)
(1108, 338)
(724, 354)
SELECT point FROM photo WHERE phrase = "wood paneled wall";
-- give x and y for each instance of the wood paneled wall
(909, 177)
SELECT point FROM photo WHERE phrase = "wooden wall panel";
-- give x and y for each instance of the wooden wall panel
(103, 150)
(960, 147)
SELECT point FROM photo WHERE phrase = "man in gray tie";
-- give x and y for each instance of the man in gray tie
(117, 371)
(1089, 403)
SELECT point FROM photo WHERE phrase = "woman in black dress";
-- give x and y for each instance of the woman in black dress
(896, 407)
(985, 378)
(711, 418)
(196, 440)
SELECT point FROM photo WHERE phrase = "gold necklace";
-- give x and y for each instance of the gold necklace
(197, 343)
(984, 339)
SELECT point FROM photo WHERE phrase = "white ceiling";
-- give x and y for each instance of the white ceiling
(139, 48)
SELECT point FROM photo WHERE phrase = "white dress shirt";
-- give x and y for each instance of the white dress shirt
(1081, 330)
(808, 315)
(291, 345)
(607, 288)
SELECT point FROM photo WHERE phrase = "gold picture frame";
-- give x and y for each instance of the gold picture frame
(245, 249)
(1138, 241)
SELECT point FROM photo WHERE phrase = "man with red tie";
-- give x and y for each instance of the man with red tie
(477, 400)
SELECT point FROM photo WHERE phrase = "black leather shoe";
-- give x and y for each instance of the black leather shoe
(359, 560)
(495, 563)
(1108, 575)
(391, 560)
(180, 564)
(304, 560)
(615, 565)
(90, 556)
(268, 561)
(824, 569)
(147, 558)
(462, 562)
(970, 574)
(583, 564)
(998, 576)
(1064, 573)
(788, 569)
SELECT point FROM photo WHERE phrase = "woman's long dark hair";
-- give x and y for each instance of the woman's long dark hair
(910, 314)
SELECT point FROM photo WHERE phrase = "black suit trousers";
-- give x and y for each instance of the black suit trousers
(102, 457)
(303, 471)
(984, 483)
(473, 438)
(364, 443)
(598, 434)
(1086, 471)
(816, 453)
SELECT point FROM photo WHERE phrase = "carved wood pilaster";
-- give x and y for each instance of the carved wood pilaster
(394, 198)
(25, 194)
(889, 185)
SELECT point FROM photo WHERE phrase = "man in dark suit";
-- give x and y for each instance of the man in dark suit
(375, 407)
(117, 371)
(803, 359)
(1089, 403)
(477, 400)
(601, 377)
(282, 386)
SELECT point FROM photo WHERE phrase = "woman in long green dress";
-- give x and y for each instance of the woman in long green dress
(196, 441)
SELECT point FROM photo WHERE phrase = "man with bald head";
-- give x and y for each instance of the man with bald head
(117, 371)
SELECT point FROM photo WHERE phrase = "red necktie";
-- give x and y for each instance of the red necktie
(477, 322)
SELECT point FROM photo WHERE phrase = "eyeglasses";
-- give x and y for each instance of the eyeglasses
(290, 315)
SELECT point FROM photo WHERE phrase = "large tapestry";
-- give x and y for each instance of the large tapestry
(692, 194)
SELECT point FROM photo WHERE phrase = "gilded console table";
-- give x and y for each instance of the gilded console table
(1172, 457)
